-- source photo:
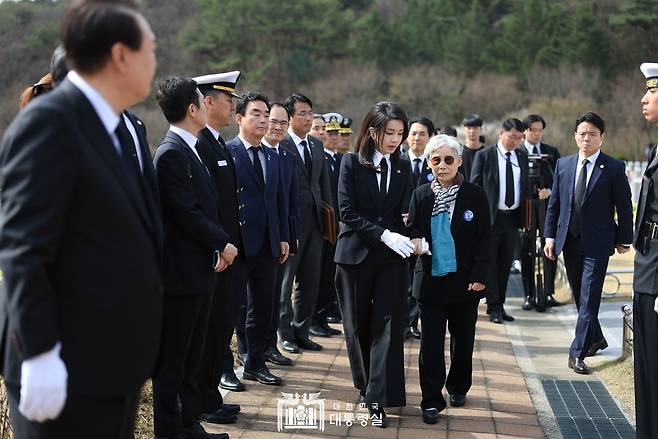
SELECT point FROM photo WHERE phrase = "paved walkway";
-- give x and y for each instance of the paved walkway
(498, 405)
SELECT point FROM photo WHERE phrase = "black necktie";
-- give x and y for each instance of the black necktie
(509, 181)
(128, 151)
(308, 162)
(383, 167)
(535, 151)
(257, 166)
(416, 171)
(578, 196)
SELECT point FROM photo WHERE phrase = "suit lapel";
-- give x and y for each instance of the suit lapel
(599, 167)
(570, 181)
(461, 204)
(495, 171)
(194, 160)
(101, 141)
(241, 153)
(395, 183)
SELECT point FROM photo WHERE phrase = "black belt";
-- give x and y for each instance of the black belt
(650, 230)
(507, 212)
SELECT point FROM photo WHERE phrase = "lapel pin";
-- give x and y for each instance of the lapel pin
(139, 122)
(601, 166)
(397, 171)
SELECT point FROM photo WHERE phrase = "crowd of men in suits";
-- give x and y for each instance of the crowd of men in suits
(226, 237)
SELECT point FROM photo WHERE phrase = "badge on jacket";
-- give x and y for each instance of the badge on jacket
(468, 216)
(430, 177)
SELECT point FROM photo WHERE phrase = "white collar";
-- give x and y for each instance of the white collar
(214, 132)
(269, 145)
(103, 108)
(295, 138)
(378, 156)
(529, 146)
(330, 152)
(246, 144)
(188, 137)
(592, 159)
(502, 149)
(413, 156)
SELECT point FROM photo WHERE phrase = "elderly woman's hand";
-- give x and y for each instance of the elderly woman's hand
(476, 286)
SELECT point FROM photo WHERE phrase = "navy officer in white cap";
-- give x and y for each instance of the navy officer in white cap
(645, 287)
(218, 92)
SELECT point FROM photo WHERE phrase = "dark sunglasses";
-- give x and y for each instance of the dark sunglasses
(449, 160)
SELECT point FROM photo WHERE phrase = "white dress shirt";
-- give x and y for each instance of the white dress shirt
(214, 132)
(412, 157)
(261, 157)
(269, 145)
(189, 138)
(502, 173)
(530, 147)
(133, 134)
(298, 140)
(590, 167)
(376, 160)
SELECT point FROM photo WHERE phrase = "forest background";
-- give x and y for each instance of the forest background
(438, 58)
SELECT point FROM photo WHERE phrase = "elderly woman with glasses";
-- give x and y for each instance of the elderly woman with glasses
(452, 216)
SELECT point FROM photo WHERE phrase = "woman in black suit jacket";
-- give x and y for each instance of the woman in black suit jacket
(453, 216)
(373, 193)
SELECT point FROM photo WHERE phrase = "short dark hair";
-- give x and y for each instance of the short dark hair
(592, 118)
(291, 100)
(532, 118)
(174, 96)
(449, 131)
(472, 120)
(243, 102)
(279, 104)
(424, 121)
(91, 27)
(513, 124)
(58, 67)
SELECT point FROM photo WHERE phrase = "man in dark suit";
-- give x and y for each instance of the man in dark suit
(69, 176)
(327, 304)
(535, 125)
(645, 288)
(587, 189)
(196, 246)
(502, 170)
(472, 132)
(218, 91)
(266, 232)
(278, 124)
(420, 131)
(313, 189)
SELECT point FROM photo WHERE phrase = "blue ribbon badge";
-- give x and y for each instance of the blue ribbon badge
(430, 177)
(468, 216)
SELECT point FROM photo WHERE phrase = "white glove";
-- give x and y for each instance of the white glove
(400, 244)
(43, 386)
(425, 247)
(655, 305)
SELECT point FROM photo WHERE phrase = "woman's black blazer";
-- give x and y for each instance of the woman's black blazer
(471, 230)
(364, 213)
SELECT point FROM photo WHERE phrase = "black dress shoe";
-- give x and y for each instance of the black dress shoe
(231, 408)
(308, 344)
(196, 431)
(319, 331)
(229, 381)
(431, 416)
(596, 346)
(220, 416)
(275, 357)
(496, 316)
(333, 318)
(578, 366)
(331, 330)
(290, 346)
(529, 303)
(551, 301)
(263, 376)
(507, 317)
(457, 400)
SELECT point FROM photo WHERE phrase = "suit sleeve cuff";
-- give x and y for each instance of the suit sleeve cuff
(550, 241)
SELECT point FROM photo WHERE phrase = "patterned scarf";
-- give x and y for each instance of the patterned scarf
(444, 196)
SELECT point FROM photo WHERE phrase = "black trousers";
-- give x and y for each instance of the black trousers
(257, 277)
(460, 318)
(372, 297)
(413, 311)
(271, 338)
(218, 335)
(504, 235)
(586, 276)
(528, 259)
(645, 339)
(303, 269)
(327, 295)
(82, 417)
(184, 330)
